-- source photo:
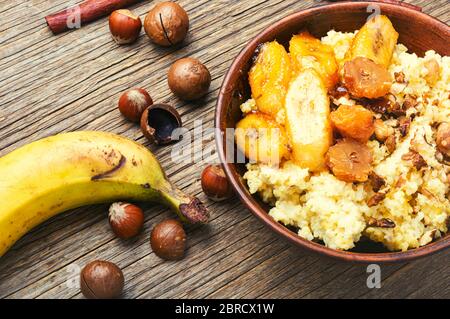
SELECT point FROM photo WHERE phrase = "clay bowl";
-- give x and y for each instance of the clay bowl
(418, 31)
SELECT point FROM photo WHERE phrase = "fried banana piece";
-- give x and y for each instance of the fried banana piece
(376, 40)
(307, 120)
(262, 139)
(308, 52)
(269, 78)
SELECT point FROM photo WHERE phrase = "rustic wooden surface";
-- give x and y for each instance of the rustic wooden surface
(50, 84)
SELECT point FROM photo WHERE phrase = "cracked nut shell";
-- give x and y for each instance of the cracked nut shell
(166, 24)
(158, 122)
(168, 240)
(101, 280)
(189, 79)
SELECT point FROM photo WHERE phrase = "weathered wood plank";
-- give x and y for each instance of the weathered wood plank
(50, 84)
(344, 281)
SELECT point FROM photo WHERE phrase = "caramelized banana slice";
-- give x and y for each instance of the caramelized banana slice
(375, 40)
(261, 139)
(355, 121)
(307, 120)
(269, 78)
(308, 52)
(365, 78)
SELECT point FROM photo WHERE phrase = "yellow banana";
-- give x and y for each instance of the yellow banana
(69, 170)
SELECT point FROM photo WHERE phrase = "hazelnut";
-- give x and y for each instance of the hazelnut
(215, 184)
(391, 143)
(443, 138)
(376, 181)
(189, 79)
(404, 124)
(399, 77)
(126, 220)
(166, 24)
(382, 223)
(124, 26)
(416, 159)
(101, 280)
(168, 240)
(133, 103)
(409, 102)
(433, 71)
(382, 131)
(158, 123)
(376, 199)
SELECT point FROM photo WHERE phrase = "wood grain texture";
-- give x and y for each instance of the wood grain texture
(51, 84)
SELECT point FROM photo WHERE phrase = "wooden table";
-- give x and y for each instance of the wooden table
(51, 84)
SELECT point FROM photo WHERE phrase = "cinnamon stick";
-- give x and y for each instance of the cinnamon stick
(83, 13)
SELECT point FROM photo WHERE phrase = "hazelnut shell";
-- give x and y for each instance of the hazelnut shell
(133, 103)
(189, 79)
(168, 240)
(166, 24)
(215, 183)
(126, 219)
(101, 280)
(158, 122)
(124, 26)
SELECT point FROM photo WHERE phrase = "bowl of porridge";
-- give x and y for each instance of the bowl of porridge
(335, 131)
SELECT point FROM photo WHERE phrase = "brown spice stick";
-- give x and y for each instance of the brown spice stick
(85, 12)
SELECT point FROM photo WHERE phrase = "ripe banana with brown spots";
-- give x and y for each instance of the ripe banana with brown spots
(69, 170)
